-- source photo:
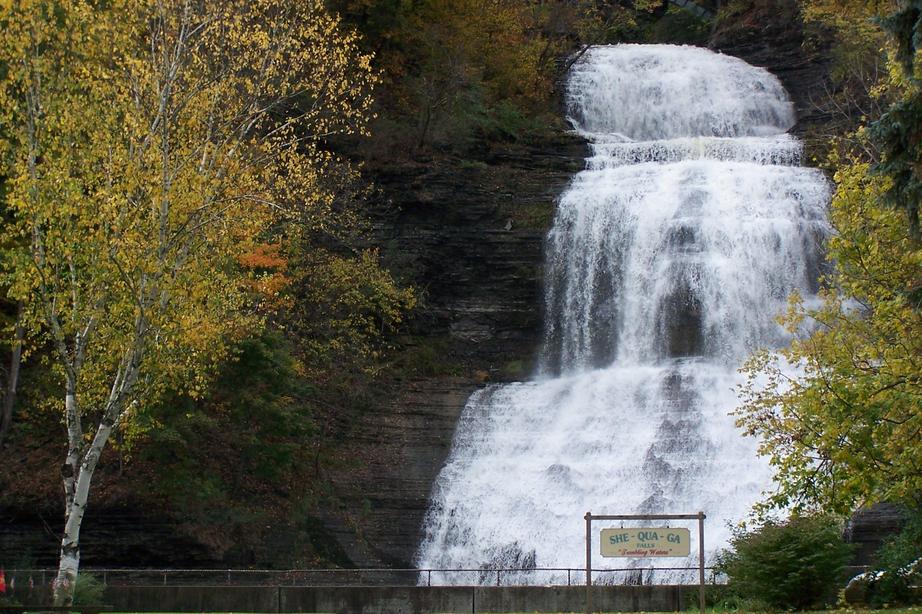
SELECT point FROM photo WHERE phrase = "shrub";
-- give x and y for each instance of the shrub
(89, 590)
(899, 566)
(789, 565)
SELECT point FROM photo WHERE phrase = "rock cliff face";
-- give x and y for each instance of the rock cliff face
(774, 38)
(472, 233)
(473, 236)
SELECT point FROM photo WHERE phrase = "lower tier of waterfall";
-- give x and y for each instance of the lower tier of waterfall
(535, 457)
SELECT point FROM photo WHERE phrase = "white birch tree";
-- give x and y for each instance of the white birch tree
(149, 144)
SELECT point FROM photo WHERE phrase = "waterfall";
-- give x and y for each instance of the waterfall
(669, 258)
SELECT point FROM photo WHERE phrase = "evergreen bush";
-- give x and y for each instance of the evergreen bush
(793, 564)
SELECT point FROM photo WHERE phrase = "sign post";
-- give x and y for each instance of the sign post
(588, 562)
(701, 560)
(645, 542)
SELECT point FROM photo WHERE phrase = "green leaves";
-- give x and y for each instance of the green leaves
(791, 565)
(844, 430)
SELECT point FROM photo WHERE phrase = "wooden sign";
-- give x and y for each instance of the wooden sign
(645, 542)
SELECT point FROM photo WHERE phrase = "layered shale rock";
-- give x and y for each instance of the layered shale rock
(473, 235)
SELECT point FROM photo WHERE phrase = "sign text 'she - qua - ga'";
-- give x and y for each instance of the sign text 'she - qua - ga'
(645, 542)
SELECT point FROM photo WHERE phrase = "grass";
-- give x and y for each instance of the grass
(848, 610)
(844, 610)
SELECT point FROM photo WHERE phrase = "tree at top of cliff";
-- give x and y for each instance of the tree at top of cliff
(888, 33)
(455, 69)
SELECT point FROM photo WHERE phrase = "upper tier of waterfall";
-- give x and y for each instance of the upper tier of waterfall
(669, 258)
(684, 229)
(651, 92)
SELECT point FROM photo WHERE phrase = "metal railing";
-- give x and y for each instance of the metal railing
(484, 576)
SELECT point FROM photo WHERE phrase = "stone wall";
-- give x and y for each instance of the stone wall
(395, 600)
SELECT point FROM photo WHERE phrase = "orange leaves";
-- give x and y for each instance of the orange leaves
(267, 275)
(264, 257)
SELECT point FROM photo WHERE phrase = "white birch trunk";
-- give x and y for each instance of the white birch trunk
(80, 465)
(70, 543)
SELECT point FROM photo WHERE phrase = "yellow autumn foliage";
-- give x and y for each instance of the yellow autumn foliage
(839, 411)
(149, 147)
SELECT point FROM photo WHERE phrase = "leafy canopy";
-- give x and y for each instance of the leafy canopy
(150, 147)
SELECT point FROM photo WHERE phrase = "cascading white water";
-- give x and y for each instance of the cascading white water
(669, 258)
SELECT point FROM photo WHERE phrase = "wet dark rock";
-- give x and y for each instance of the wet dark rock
(870, 526)
(680, 323)
(777, 41)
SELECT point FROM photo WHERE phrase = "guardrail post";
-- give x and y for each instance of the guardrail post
(588, 562)
(428, 577)
(701, 517)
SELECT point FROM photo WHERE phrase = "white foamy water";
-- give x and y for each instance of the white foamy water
(669, 258)
(781, 149)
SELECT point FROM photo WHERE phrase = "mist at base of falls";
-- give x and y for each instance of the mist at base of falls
(669, 258)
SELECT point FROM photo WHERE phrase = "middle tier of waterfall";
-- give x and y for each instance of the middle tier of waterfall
(689, 257)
